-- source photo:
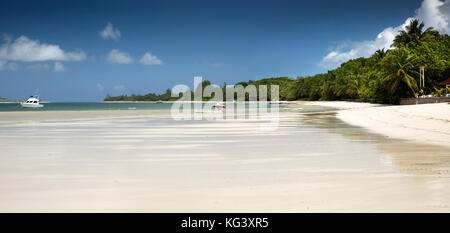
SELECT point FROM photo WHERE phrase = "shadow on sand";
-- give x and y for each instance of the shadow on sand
(409, 158)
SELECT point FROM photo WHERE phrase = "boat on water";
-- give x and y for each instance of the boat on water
(278, 102)
(32, 102)
(219, 105)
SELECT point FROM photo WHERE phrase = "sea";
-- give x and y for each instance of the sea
(87, 106)
(98, 106)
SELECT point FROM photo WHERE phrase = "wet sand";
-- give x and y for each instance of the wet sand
(423, 123)
(128, 161)
(428, 123)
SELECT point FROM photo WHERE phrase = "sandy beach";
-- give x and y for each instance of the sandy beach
(143, 161)
(424, 123)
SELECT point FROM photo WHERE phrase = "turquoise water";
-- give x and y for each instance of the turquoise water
(96, 106)
(86, 106)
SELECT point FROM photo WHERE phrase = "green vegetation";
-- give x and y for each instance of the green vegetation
(6, 100)
(148, 97)
(386, 76)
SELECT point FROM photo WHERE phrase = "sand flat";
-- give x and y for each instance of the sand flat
(93, 162)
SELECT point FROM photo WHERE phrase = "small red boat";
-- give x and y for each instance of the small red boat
(219, 105)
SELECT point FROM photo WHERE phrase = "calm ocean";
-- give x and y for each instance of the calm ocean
(86, 106)
(98, 106)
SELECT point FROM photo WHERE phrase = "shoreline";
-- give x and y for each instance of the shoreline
(423, 123)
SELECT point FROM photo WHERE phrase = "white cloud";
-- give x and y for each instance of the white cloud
(150, 59)
(58, 67)
(109, 32)
(434, 13)
(353, 49)
(115, 56)
(38, 67)
(4, 65)
(27, 50)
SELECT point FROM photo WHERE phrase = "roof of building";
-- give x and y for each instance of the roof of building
(445, 82)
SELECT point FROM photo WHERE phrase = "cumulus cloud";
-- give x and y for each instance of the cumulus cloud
(27, 50)
(58, 67)
(354, 49)
(109, 32)
(118, 57)
(434, 13)
(4, 65)
(150, 59)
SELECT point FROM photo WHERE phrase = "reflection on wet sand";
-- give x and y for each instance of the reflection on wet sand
(409, 158)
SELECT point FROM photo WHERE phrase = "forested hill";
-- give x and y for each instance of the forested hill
(386, 76)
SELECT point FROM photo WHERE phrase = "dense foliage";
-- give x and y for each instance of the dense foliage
(148, 97)
(386, 76)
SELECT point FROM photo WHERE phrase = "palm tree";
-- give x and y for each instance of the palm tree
(413, 33)
(398, 69)
(380, 53)
(353, 88)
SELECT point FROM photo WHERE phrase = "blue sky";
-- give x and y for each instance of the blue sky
(223, 41)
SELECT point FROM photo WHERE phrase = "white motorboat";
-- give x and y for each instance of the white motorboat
(32, 102)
